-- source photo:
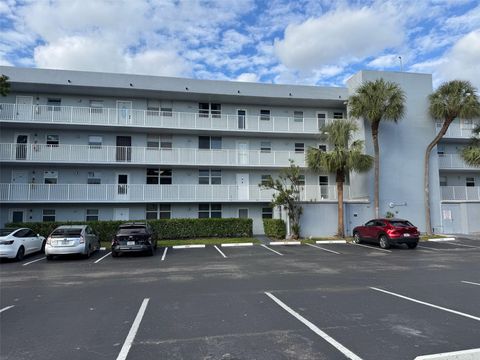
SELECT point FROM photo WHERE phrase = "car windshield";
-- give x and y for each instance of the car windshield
(132, 230)
(67, 232)
(5, 232)
(401, 223)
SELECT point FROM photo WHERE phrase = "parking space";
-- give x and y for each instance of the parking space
(339, 299)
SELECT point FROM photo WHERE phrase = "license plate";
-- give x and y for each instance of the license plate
(406, 235)
(130, 243)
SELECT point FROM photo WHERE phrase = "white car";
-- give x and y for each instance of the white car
(16, 243)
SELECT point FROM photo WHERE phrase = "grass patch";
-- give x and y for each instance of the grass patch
(207, 241)
(426, 237)
(106, 244)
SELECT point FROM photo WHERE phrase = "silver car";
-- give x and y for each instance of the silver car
(72, 239)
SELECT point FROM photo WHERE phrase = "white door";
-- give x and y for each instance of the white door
(19, 176)
(242, 119)
(321, 119)
(24, 107)
(242, 153)
(124, 112)
(122, 187)
(120, 214)
(242, 186)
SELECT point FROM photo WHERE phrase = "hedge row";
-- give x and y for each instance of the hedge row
(165, 228)
(275, 228)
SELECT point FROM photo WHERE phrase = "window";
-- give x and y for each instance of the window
(265, 147)
(203, 109)
(470, 181)
(266, 179)
(54, 104)
(301, 179)
(322, 147)
(298, 116)
(299, 147)
(53, 140)
(209, 211)
(95, 141)
(153, 176)
(48, 214)
(441, 150)
(166, 176)
(166, 142)
(216, 110)
(91, 215)
(321, 120)
(267, 213)
(165, 211)
(50, 177)
(151, 212)
(206, 177)
(96, 106)
(323, 182)
(443, 181)
(158, 211)
(265, 115)
(166, 111)
(243, 213)
(209, 142)
(94, 177)
(338, 115)
(153, 142)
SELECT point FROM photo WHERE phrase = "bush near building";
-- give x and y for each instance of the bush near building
(275, 228)
(165, 228)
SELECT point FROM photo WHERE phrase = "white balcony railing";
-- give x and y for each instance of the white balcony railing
(458, 129)
(157, 119)
(154, 193)
(453, 161)
(143, 155)
(465, 193)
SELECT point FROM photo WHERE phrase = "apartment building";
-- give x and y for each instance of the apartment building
(97, 146)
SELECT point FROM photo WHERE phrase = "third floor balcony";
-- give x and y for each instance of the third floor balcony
(460, 193)
(453, 162)
(459, 128)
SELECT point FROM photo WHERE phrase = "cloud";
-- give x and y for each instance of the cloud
(341, 35)
(385, 61)
(247, 77)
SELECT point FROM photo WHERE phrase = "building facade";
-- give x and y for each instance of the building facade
(96, 146)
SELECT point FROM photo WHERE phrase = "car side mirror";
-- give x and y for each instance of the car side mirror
(38, 235)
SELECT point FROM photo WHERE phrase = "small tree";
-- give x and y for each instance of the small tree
(4, 85)
(471, 154)
(287, 194)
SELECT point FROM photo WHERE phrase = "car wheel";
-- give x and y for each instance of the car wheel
(356, 238)
(151, 251)
(89, 252)
(412, 245)
(20, 253)
(49, 257)
(383, 241)
(43, 246)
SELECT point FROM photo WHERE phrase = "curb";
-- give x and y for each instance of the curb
(331, 242)
(442, 239)
(196, 246)
(285, 243)
(103, 248)
(237, 244)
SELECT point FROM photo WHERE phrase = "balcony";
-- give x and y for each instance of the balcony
(86, 154)
(461, 193)
(157, 119)
(123, 193)
(453, 162)
(458, 129)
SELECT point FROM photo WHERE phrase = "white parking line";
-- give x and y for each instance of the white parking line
(471, 283)
(321, 248)
(314, 328)
(133, 331)
(429, 248)
(164, 253)
(103, 257)
(471, 354)
(427, 304)
(6, 308)
(276, 252)
(31, 262)
(458, 244)
(220, 251)
(373, 248)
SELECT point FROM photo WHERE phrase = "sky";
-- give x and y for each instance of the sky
(311, 42)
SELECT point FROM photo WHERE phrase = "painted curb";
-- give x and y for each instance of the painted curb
(103, 248)
(285, 243)
(196, 246)
(237, 244)
(331, 242)
(442, 239)
(471, 354)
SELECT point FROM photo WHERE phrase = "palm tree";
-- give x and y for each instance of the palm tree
(471, 154)
(4, 85)
(376, 101)
(344, 156)
(453, 99)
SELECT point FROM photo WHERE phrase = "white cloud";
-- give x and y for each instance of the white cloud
(339, 35)
(385, 61)
(247, 77)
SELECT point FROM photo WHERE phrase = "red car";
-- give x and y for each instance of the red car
(387, 232)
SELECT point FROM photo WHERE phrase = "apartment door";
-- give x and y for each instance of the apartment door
(122, 187)
(124, 112)
(451, 220)
(19, 176)
(17, 216)
(19, 184)
(124, 148)
(121, 214)
(321, 119)
(242, 152)
(24, 107)
(242, 186)
(21, 146)
(242, 118)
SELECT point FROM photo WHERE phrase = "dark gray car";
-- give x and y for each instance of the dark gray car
(134, 238)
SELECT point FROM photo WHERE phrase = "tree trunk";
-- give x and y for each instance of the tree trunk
(377, 167)
(340, 179)
(426, 174)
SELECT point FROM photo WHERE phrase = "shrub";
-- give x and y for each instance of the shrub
(165, 228)
(275, 228)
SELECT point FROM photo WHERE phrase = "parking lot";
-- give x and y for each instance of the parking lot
(329, 301)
